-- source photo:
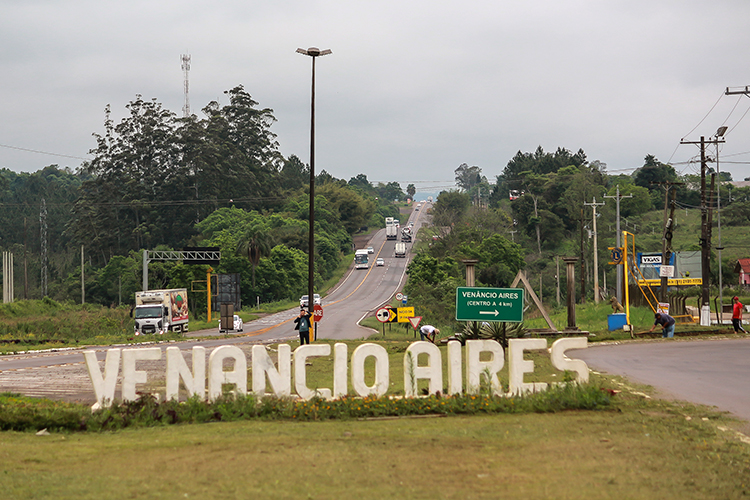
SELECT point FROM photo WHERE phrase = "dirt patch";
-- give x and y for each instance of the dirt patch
(362, 239)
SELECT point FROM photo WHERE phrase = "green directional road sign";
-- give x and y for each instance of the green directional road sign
(489, 304)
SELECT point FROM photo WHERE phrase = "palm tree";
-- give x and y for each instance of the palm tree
(255, 243)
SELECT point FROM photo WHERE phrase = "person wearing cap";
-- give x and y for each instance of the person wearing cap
(666, 322)
(737, 315)
(428, 332)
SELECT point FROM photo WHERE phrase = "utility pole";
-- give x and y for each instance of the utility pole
(617, 198)
(705, 239)
(593, 205)
(666, 239)
(666, 249)
(557, 264)
(583, 266)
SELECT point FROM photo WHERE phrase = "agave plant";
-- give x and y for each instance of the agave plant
(498, 331)
(502, 332)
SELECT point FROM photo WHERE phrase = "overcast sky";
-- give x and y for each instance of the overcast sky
(412, 90)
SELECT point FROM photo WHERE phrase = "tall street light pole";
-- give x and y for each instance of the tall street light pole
(719, 133)
(313, 52)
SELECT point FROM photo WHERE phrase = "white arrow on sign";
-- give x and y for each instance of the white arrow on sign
(494, 313)
(383, 315)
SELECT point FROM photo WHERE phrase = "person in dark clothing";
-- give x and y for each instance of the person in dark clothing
(667, 324)
(303, 325)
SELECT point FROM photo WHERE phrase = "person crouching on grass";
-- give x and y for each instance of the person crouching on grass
(428, 332)
(667, 324)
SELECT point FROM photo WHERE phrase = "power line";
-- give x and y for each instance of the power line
(153, 202)
(42, 152)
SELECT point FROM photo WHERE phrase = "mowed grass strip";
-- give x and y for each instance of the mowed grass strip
(645, 449)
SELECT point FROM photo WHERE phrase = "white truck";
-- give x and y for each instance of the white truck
(406, 234)
(161, 311)
(391, 229)
(400, 249)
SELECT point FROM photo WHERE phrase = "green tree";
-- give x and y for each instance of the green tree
(653, 172)
(389, 192)
(450, 207)
(294, 174)
(467, 177)
(255, 242)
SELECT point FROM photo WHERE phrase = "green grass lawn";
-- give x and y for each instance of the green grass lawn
(640, 448)
(634, 447)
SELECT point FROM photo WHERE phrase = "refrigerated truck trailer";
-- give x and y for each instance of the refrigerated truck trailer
(161, 311)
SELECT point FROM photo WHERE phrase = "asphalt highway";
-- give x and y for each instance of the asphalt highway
(712, 372)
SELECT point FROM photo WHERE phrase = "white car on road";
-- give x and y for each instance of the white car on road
(379, 262)
(303, 300)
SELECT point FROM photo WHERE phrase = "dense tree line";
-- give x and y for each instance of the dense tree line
(159, 181)
(535, 212)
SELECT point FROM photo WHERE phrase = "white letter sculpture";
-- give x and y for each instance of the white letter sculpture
(195, 382)
(340, 388)
(130, 375)
(300, 373)
(476, 368)
(280, 379)
(217, 376)
(360, 354)
(433, 371)
(104, 388)
(517, 366)
(455, 376)
(563, 363)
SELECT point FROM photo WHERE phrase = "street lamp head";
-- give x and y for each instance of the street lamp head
(314, 52)
(721, 131)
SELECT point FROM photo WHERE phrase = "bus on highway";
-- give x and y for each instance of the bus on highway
(361, 259)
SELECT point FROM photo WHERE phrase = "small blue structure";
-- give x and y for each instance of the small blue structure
(616, 321)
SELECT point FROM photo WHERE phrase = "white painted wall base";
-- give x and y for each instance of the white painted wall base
(705, 316)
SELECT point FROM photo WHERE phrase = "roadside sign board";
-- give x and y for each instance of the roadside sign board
(404, 313)
(489, 304)
(414, 320)
(616, 255)
(399, 296)
(317, 312)
(392, 316)
(383, 314)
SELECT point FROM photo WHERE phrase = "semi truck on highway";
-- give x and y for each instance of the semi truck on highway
(391, 229)
(161, 311)
(400, 249)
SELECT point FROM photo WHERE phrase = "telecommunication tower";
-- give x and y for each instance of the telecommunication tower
(185, 58)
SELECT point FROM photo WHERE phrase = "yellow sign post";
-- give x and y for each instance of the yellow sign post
(208, 279)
